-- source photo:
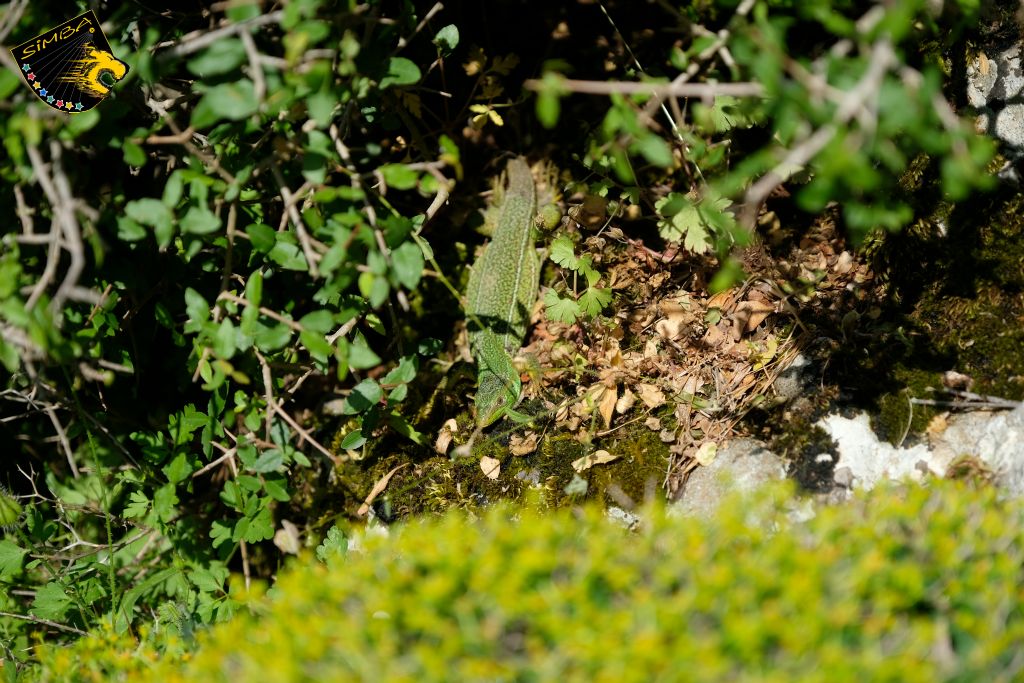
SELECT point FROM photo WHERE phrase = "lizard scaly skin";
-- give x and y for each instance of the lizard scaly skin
(502, 290)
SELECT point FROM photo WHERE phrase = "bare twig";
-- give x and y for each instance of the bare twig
(312, 258)
(264, 310)
(704, 90)
(11, 17)
(45, 622)
(403, 41)
(63, 438)
(882, 59)
(197, 40)
(255, 68)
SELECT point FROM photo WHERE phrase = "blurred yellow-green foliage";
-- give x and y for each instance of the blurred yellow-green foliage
(918, 584)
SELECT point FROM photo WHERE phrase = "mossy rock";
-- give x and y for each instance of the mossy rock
(907, 584)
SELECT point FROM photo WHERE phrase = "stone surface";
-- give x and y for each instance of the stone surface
(740, 465)
(792, 381)
(995, 85)
(864, 461)
(995, 438)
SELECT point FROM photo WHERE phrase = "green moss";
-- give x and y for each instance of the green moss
(874, 590)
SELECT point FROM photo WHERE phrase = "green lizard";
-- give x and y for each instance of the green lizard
(502, 289)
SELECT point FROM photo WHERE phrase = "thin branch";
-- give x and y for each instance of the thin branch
(854, 100)
(63, 438)
(703, 90)
(197, 40)
(255, 68)
(44, 622)
(300, 228)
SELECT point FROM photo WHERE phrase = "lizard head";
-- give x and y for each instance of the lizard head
(494, 396)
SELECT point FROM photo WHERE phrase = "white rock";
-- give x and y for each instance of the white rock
(869, 460)
(996, 438)
(740, 465)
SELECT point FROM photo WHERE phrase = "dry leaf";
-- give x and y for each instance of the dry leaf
(625, 402)
(705, 455)
(607, 405)
(595, 458)
(748, 316)
(491, 467)
(844, 264)
(936, 426)
(378, 489)
(444, 436)
(287, 538)
(523, 445)
(674, 323)
(670, 328)
(653, 423)
(651, 395)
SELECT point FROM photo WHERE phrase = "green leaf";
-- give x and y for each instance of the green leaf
(407, 261)
(233, 101)
(254, 289)
(272, 338)
(199, 221)
(352, 440)
(262, 237)
(138, 505)
(129, 231)
(318, 321)
(271, 460)
(563, 252)
(288, 256)
(224, 341)
(320, 106)
(729, 275)
(447, 39)
(182, 424)
(316, 345)
(219, 533)
(404, 372)
(683, 223)
(196, 307)
(11, 556)
(594, 300)
(399, 176)
(134, 155)
(223, 56)
(210, 578)
(549, 99)
(334, 546)
(559, 309)
(276, 488)
(361, 357)
(178, 469)
(261, 527)
(401, 71)
(654, 149)
(51, 602)
(402, 426)
(373, 287)
(155, 214)
(314, 167)
(173, 189)
(165, 502)
(364, 396)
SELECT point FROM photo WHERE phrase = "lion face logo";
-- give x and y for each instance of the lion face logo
(95, 72)
(71, 67)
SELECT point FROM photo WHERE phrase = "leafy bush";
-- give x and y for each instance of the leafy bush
(904, 584)
(169, 330)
